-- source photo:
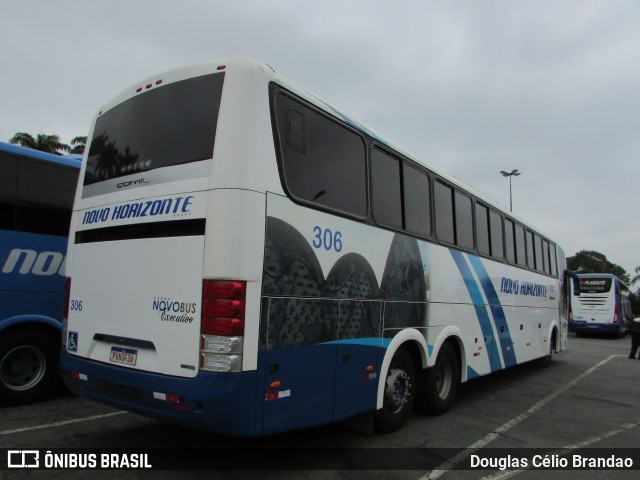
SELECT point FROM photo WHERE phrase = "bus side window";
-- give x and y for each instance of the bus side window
(417, 206)
(385, 184)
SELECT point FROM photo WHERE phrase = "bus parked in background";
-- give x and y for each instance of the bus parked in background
(246, 259)
(604, 305)
(36, 196)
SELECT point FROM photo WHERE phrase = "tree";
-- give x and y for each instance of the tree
(78, 145)
(636, 277)
(44, 143)
(589, 261)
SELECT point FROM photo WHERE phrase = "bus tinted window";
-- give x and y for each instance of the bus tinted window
(9, 177)
(385, 182)
(530, 258)
(464, 221)
(497, 246)
(482, 229)
(509, 241)
(521, 255)
(545, 257)
(168, 125)
(35, 181)
(443, 199)
(35, 196)
(553, 260)
(417, 206)
(538, 247)
(325, 164)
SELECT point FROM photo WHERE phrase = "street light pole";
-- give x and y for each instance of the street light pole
(513, 173)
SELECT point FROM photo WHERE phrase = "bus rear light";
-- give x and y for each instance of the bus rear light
(76, 376)
(222, 325)
(213, 362)
(222, 308)
(223, 289)
(218, 344)
(167, 397)
(616, 314)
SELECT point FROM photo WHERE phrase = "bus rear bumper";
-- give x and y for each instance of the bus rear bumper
(585, 327)
(215, 402)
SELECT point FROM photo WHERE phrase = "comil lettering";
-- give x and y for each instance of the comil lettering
(32, 262)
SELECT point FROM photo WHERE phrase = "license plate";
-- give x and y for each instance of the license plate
(123, 355)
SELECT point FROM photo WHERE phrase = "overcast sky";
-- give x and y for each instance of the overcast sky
(549, 87)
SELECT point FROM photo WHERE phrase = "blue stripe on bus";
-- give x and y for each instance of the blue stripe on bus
(471, 373)
(371, 342)
(480, 308)
(499, 317)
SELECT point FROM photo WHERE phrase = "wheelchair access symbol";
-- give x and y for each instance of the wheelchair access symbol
(72, 342)
(23, 459)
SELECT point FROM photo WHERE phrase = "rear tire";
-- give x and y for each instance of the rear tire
(28, 366)
(545, 361)
(439, 384)
(399, 393)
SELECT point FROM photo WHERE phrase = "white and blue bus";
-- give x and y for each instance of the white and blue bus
(246, 259)
(36, 197)
(604, 305)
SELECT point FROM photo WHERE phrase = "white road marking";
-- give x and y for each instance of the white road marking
(58, 424)
(487, 439)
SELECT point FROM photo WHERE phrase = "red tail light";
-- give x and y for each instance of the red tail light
(616, 314)
(223, 306)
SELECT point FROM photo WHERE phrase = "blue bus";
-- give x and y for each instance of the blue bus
(36, 195)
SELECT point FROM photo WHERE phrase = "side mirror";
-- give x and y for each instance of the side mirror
(576, 281)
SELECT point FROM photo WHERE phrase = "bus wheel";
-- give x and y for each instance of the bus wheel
(399, 394)
(28, 366)
(545, 361)
(440, 382)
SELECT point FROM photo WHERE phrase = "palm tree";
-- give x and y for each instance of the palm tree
(636, 277)
(78, 145)
(44, 143)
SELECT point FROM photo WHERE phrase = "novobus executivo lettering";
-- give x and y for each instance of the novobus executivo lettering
(138, 210)
(550, 461)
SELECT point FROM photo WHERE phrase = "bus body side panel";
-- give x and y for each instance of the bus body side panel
(320, 301)
(321, 322)
(31, 280)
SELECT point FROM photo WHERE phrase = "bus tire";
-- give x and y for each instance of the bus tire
(545, 361)
(439, 383)
(399, 393)
(28, 366)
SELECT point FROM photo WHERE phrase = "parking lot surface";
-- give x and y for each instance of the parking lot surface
(587, 398)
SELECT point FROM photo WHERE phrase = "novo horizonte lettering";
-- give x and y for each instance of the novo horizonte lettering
(149, 208)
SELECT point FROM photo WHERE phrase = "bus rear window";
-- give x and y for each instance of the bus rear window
(595, 285)
(168, 125)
